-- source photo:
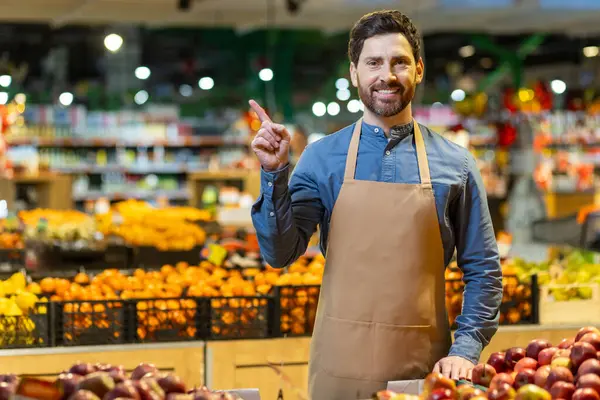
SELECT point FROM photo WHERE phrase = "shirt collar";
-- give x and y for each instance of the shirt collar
(400, 131)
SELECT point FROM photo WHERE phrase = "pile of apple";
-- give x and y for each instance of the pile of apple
(568, 371)
(84, 381)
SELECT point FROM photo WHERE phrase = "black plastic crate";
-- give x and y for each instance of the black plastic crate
(170, 320)
(23, 331)
(237, 317)
(519, 300)
(81, 323)
(298, 309)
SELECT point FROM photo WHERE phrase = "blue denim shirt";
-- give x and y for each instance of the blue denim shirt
(285, 216)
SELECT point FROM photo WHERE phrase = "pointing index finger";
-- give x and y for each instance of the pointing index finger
(262, 115)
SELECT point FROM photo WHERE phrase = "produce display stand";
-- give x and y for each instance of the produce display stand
(564, 204)
(53, 190)
(229, 364)
(185, 359)
(248, 180)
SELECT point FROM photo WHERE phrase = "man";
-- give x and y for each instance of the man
(393, 200)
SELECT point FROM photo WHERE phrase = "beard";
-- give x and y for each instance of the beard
(386, 108)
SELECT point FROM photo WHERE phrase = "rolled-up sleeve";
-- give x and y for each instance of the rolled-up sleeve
(285, 216)
(477, 256)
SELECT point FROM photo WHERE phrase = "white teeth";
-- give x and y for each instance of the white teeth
(387, 91)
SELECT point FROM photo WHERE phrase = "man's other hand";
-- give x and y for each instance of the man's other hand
(454, 367)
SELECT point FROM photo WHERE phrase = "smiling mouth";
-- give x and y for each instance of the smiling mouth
(387, 91)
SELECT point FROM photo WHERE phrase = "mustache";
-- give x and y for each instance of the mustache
(389, 87)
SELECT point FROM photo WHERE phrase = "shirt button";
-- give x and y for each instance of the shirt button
(376, 130)
(272, 214)
(270, 183)
(387, 153)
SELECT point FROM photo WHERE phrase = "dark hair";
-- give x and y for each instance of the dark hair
(381, 23)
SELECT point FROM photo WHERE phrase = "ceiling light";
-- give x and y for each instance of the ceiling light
(141, 97)
(5, 80)
(319, 109)
(333, 108)
(591, 51)
(558, 86)
(466, 51)
(142, 73)
(266, 74)
(354, 106)
(113, 42)
(458, 95)
(66, 99)
(206, 83)
(342, 84)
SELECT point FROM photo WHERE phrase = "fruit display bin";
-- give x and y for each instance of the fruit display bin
(298, 308)
(12, 257)
(519, 300)
(33, 330)
(109, 322)
(558, 304)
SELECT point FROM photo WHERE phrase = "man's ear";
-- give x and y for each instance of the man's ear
(420, 70)
(353, 75)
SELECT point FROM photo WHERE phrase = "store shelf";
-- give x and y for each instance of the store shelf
(179, 194)
(114, 142)
(131, 169)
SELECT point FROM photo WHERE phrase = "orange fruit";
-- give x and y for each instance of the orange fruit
(82, 278)
(48, 285)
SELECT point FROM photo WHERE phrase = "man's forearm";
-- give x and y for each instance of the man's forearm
(478, 321)
(285, 218)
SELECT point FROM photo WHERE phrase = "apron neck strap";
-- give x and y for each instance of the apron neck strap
(419, 144)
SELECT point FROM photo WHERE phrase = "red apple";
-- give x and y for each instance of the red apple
(498, 361)
(589, 381)
(532, 392)
(559, 374)
(585, 330)
(545, 356)
(593, 339)
(566, 343)
(524, 377)
(591, 366)
(513, 356)
(585, 394)
(562, 362)
(482, 374)
(503, 392)
(562, 390)
(441, 394)
(502, 378)
(580, 352)
(541, 375)
(535, 346)
(526, 363)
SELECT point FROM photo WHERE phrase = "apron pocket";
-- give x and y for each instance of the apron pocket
(402, 352)
(345, 348)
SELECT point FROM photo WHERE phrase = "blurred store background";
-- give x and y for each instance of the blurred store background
(126, 173)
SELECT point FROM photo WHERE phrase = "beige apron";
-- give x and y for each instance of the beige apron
(381, 314)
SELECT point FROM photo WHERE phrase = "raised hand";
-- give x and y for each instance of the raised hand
(272, 142)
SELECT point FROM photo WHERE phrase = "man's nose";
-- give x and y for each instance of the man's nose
(388, 75)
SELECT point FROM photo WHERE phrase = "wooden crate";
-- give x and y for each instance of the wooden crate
(570, 311)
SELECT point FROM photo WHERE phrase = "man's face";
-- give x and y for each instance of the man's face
(386, 74)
